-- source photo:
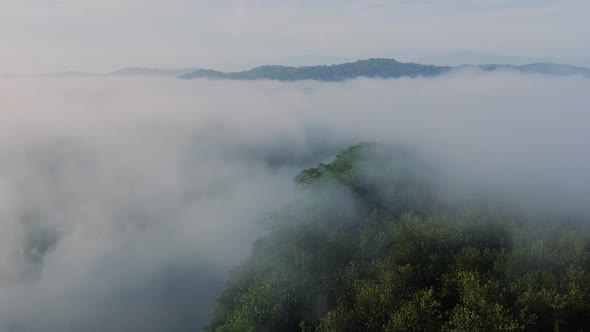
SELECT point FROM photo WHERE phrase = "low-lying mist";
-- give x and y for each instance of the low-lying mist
(124, 202)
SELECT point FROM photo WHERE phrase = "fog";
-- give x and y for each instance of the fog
(124, 202)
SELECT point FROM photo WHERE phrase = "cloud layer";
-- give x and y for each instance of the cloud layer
(124, 202)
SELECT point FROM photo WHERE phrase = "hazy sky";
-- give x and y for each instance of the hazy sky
(102, 35)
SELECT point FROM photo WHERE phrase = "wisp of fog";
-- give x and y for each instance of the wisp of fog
(125, 202)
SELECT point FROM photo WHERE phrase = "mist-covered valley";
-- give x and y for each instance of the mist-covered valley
(126, 202)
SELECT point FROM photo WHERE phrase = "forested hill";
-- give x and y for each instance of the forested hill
(367, 246)
(375, 68)
(383, 68)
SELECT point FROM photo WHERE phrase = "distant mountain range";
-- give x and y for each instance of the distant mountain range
(582, 62)
(476, 58)
(7, 76)
(460, 58)
(125, 72)
(155, 72)
(66, 74)
(540, 68)
(377, 68)
(371, 68)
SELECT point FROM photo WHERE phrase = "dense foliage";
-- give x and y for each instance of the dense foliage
(366, 246)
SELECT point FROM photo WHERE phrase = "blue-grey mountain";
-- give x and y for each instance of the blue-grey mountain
(376, 68)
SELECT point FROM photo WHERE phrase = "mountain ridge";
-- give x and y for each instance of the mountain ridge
(460, 58)
(373, 67)
(119, 73)
(369, 68)
(376, 68)
(157, 72)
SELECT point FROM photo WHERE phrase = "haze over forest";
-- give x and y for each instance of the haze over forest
(127, 201)
(229, 166)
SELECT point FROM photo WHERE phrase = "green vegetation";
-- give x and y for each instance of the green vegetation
(366, 246)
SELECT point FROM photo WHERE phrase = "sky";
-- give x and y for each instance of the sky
(104, 35)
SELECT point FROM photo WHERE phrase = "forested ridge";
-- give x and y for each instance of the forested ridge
(376, 68)
(380, 68)
(368, 245)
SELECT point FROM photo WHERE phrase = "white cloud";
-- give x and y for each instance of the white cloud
(124, 202)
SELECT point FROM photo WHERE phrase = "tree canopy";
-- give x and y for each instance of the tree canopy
(367, 246)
